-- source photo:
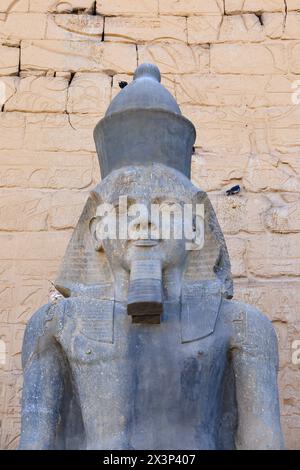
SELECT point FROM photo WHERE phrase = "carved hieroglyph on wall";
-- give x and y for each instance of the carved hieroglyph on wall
(234, 75)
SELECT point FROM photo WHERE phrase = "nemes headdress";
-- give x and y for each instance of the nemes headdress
(144, 125)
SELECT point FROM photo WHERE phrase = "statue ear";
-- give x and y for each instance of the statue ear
(96, 201)
(93, 231)
(212, 259)
(198, 233)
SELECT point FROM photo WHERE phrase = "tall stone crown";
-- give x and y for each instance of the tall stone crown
(144, 125)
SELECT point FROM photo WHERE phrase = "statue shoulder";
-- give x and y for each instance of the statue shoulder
(249, 325)
(42, 328)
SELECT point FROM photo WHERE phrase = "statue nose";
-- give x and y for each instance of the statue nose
(144, 226)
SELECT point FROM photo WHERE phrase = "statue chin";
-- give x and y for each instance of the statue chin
(145, 303)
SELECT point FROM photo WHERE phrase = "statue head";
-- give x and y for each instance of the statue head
(145, 227)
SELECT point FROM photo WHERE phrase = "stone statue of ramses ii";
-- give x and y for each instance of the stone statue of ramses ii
(146, 349)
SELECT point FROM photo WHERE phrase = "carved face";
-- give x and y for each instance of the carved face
(141, 215)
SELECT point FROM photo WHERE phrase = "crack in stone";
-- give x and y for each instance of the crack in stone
(103, 31)
(285, 16)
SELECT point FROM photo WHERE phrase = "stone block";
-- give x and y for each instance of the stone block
(274, 255)
(274, 24)
(39, 95)
(283, 216)
(141, 30)
(37, 246)
(13, 6)
(241, 212)
(292, 26)
(89, 94)
(19, 26)
(127, 7)
(191, 7)
(244, 28)
(213, 172)
(8, 87)
(221, 130)
(74, 27)
(175, 58)
(45, 170)
(78, 56)
(12, 126)
(204, 29)
(60, 132)
(258, 59)
(61, 6)
(293, 5)
(249, 6)
(237, 253)
(9, 60)
(234, 90)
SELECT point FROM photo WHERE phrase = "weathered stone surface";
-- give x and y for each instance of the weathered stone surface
(293, 5)
(283, 216)
(242, 212)
(204, 29)
(294, 50)
(274, 255)
(89, 93)
(191, 7)
(234, 90)
(40, 95)
(39, 210)
(47, 246)
(60, 132)
(248, 59)
(14, 6)
(8, 87)
(245, 28)
(262, 293)
(127, 7)
(237, 253)
(19, 26)
(12, 133)
(292, 26)
(246, 6)
(77, 56)
(175, 58)
(139, 30)
(62, 217)
(217, 28)
(222, 130)
(274, 24)
(58, 170)
(260, 131)
(267, 172)
(213, 171)
(58, 6)
(74, 27)
(9, 60)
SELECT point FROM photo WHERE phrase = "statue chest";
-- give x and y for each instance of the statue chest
(143, 378)
(96, 332)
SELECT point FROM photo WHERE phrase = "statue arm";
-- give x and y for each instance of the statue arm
(43, 381)
(255, 363)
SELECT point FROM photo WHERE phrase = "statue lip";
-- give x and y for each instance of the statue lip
(147, 242)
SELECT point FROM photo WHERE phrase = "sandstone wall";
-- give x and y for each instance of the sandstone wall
(233, 66)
